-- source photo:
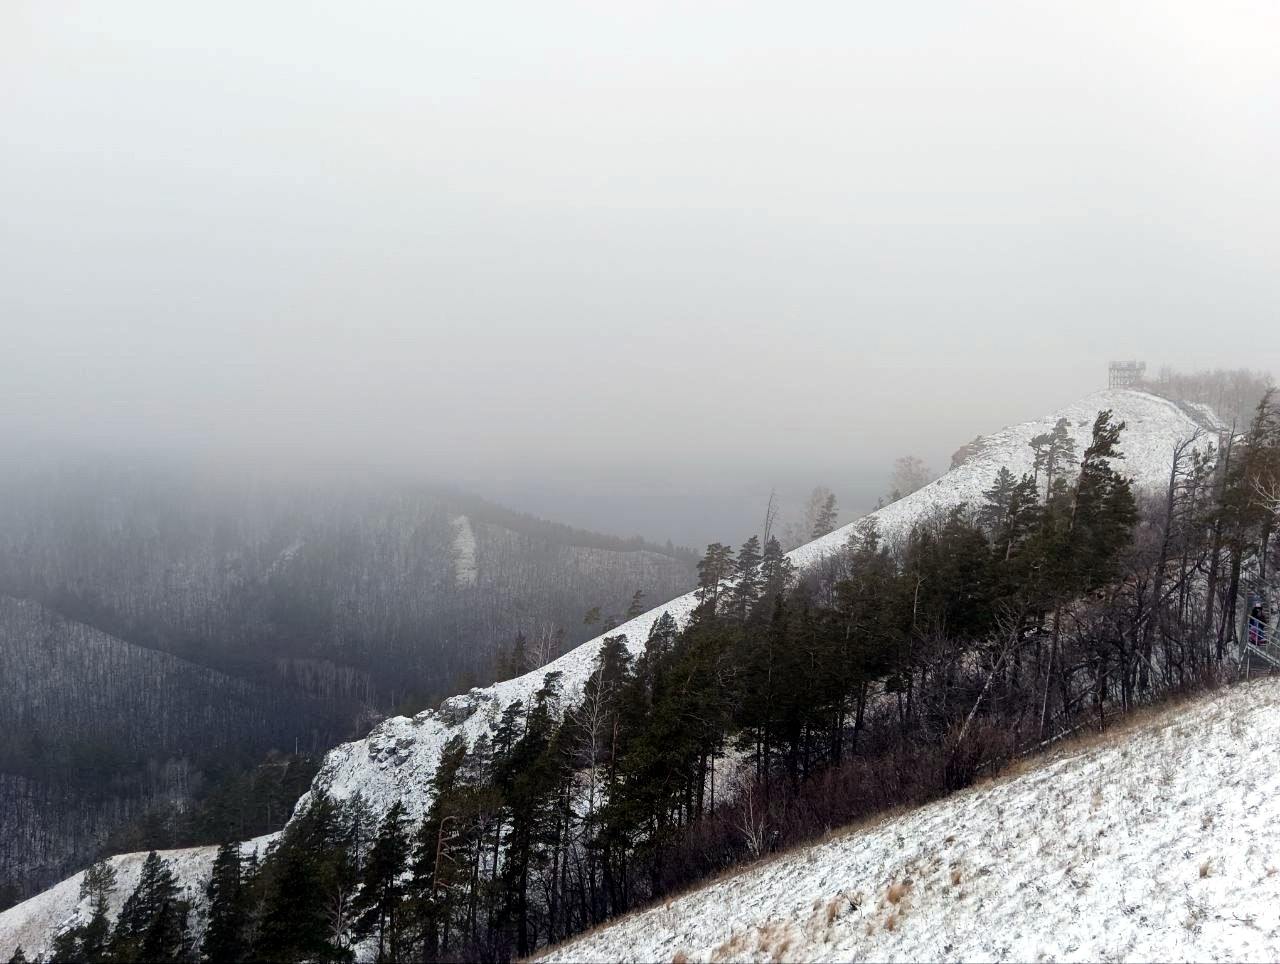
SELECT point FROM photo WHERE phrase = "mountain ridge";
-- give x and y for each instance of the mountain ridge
(400, 752)
(397, 759)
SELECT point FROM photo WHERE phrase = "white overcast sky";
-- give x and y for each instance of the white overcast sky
(632, 248)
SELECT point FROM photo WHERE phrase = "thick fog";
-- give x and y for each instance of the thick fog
(624, 265)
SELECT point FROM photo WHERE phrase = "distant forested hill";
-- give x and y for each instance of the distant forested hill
(375, 592)
(161, 625)
(93, 730)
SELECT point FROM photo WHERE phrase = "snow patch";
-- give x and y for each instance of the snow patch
(465, 569)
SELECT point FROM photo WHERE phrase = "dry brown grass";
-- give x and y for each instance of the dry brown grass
(891, 922)
(1206, 869)
(833, 910)
(774, 940)
(955, 876)
(679, 957)
(897, 891)
(735, 946)
(780, 950)
(765, 937)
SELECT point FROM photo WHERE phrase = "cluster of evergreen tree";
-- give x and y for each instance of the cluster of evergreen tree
(164, 628)
(151, 926)
(236, 805)
(787, 705)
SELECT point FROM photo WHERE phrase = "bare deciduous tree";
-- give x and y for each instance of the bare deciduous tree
(909, 474)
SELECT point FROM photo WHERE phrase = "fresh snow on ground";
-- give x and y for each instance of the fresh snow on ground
(397, 759)
(34, 923)
(1160, 845)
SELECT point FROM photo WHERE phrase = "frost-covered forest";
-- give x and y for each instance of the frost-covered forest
(1037, 591)
(94, 731)
(162, 630)
(380, 593)
(791, 702)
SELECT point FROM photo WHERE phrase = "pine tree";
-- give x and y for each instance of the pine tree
(825, 520)
(435, 859)
(746, 572)
(361, 827)
(716, 567)
(19, 957)
(309, 864)
(1052, 451)
(1246, 516)
(98, 883)
(1011, 513)
(509, 728)
(1104, 510)
(525, 778)
(381, 887)
(776, 571)
(637, 605)
(153, 922)
(224, 936)
(997, 499)
(66, 945)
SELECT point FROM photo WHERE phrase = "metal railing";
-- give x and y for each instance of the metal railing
(1258, 634)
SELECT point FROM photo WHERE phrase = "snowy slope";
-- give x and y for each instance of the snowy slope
(34, 923)
(398, 758)
(1162, 845)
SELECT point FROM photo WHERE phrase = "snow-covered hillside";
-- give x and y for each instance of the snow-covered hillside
(33, 924)
(1162, 844)
(398, 758)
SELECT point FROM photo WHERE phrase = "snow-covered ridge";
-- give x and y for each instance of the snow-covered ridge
(1161, 845)
(397, 760)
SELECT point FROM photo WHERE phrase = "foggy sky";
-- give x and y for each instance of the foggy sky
(627, 265)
